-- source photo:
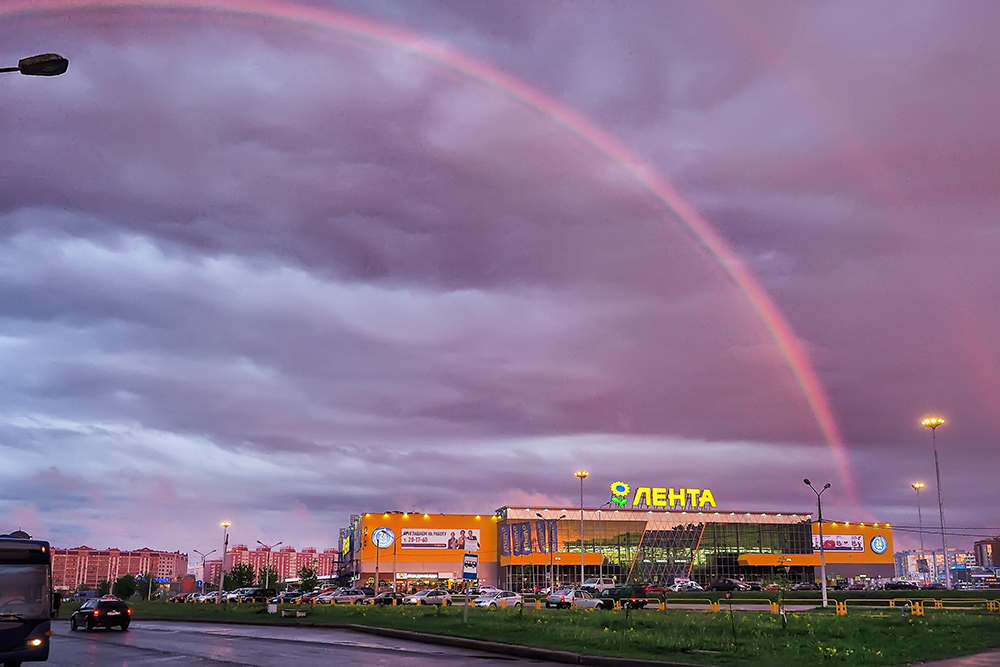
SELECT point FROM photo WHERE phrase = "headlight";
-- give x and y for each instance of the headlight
(35, 642)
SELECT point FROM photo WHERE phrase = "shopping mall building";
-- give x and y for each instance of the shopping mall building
(649, 535)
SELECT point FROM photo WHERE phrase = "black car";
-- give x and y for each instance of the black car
(387, 598)
(899, 586)
(106, 612)
(804, 586)
(256, 595)
(728, 585)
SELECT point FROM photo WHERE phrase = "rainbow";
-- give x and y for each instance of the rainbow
(729, 263)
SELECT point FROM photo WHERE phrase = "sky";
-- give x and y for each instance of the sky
(278, 263)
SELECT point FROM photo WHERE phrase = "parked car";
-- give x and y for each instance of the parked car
(599, 584)
(177, 599)
(499, 599)
(326, 597)
(565, 597)
(900, 586)
(255, 594)
(308, 598)
(804, 586)
(633, 597)
(349, 596)
(728, 585)
(105, 612)
(209, 597)
(286, 597)
(386, 598)
(685, 586)
(429, 596)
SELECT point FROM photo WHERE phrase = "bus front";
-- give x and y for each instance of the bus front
(26, 600)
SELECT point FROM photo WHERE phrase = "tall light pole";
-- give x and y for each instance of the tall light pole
(920, 527)
(267, 570)
(582, 474)
(203, 557)
(932, 423)
(46, 64)
(225, 550)
(822, 553)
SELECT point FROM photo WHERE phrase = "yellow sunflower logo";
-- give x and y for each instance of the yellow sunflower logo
(619, 493)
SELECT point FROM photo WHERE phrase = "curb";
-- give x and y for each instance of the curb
(516, 650)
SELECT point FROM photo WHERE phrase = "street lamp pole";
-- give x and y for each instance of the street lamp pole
(920, 527)
(225, 550)
(582, 474)
(932, 423)
(203, 557)
(822, 553)
(267, 570)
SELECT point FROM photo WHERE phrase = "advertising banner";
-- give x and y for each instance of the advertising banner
(515, 539)
(427, 538)
(526, 538)
(840, 543)
(541, 531)
(505, 539)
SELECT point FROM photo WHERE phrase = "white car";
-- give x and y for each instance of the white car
(685, 586)
(429, 596)
(599, 584)
(566, 597)
(499, 599)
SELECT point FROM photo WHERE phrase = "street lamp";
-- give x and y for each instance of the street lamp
(932, 423)
(920, 526)
(550, 546)
(225, 550)
(267, 570)
(582, 474)
(822, 553)
(203, 557)
(46, 64)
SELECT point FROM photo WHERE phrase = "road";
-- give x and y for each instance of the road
(204, 644)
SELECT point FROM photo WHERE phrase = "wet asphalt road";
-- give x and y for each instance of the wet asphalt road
(203, 644)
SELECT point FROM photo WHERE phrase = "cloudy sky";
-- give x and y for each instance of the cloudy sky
(283, 265)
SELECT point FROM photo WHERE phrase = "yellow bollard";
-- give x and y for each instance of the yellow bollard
(918, 607)
(538, 603)
(503, 603)
(939, 604)
(774, 608)
(841, 608)
(663, 604)
(618, 605)
(716, 606)
(394, 601)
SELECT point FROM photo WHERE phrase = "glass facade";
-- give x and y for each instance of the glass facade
(655, 547)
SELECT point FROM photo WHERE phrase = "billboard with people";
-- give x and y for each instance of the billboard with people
(447, 538)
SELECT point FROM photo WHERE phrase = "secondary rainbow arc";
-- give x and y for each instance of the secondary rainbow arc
(729, 262)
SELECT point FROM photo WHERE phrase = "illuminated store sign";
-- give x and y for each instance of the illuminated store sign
(840, 543)
(661, 496)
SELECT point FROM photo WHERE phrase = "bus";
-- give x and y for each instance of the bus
(27, 601)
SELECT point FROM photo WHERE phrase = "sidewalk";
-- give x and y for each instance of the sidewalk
(990, 659)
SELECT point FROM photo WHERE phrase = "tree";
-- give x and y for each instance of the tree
(103, 587)
(125, 587)
(241, 576)
(82, 587)
(308, 579)
(267, 577)
(147, 586)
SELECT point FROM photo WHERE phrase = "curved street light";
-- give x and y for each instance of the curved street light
(267, 570)
(822, 553)
(46, 64)
(932, 423)
(203, 557)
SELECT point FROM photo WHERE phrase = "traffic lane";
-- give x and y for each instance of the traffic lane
(204, 644)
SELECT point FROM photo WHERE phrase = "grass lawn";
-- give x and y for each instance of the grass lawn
(871, 637)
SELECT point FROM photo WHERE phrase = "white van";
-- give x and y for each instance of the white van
(600, 584)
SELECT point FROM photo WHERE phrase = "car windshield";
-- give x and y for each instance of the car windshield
(22, 591)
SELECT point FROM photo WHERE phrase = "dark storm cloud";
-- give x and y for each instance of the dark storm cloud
(238, 286)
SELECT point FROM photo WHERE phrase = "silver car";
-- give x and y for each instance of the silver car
(499, 599)
(429, 596)
(566, 597)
